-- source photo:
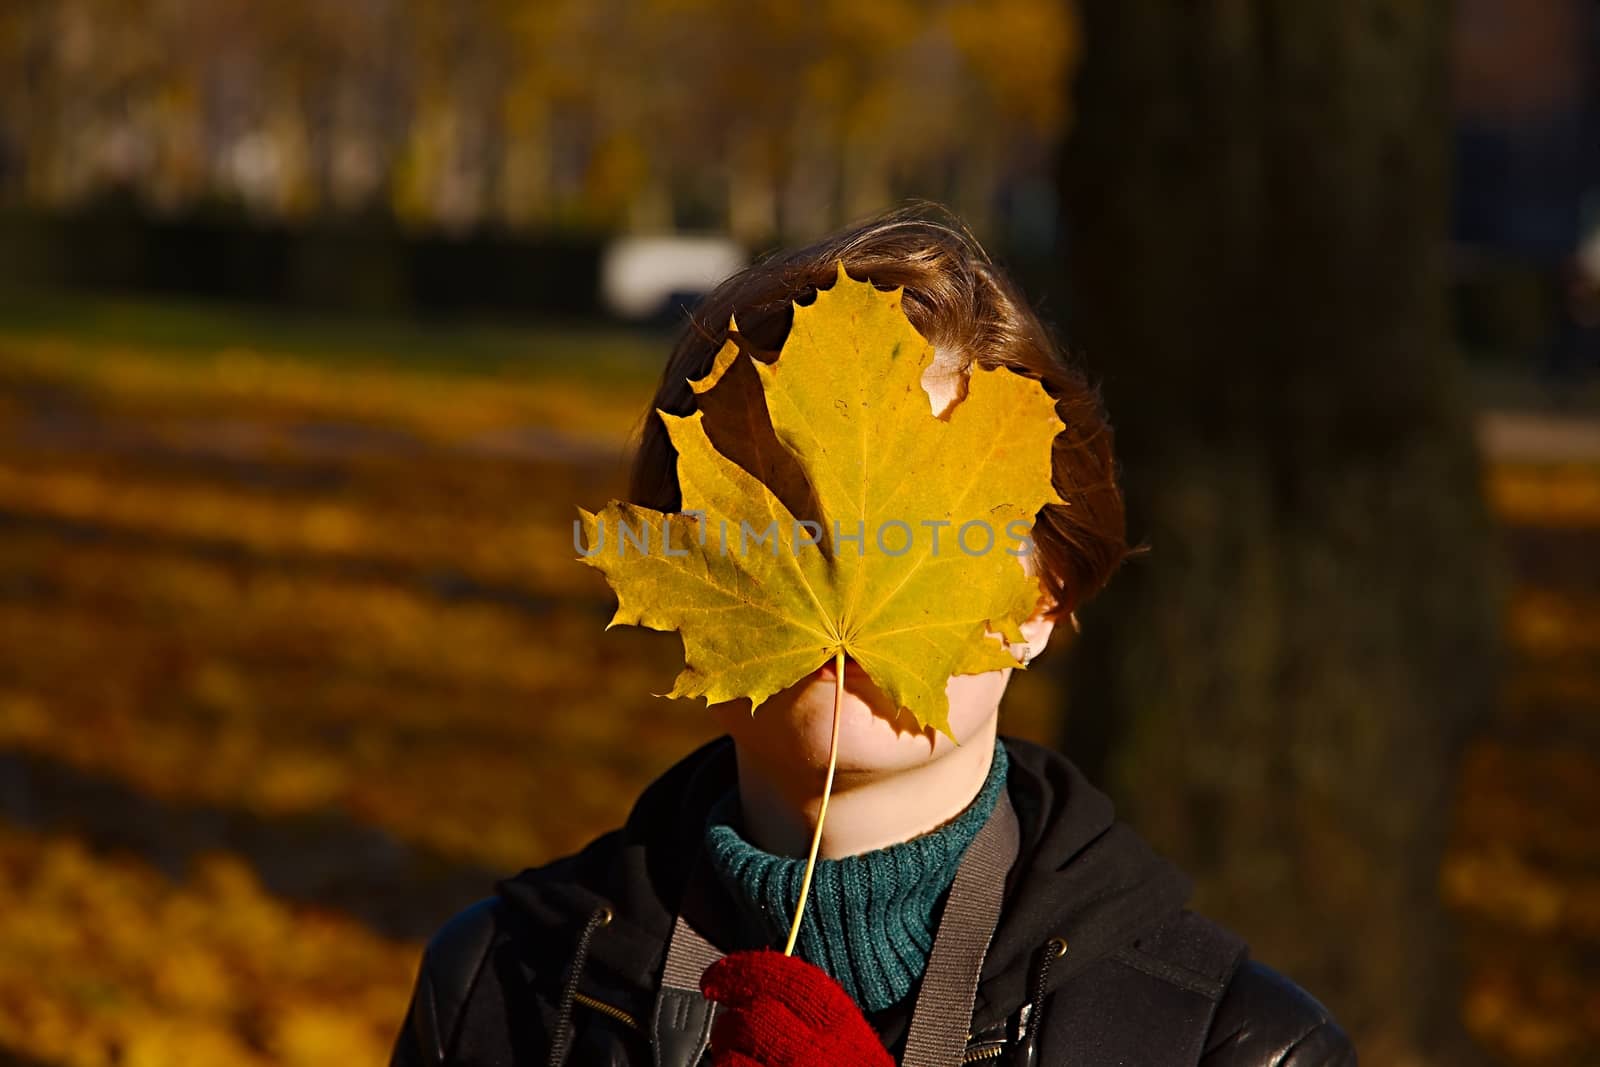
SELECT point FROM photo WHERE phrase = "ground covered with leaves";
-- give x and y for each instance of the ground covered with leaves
(298, 660)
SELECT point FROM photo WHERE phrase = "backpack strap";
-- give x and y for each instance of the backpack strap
(1150, 1003)
(680, 1024)
(943, 1012)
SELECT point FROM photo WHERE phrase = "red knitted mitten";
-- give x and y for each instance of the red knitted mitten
(780, 1011)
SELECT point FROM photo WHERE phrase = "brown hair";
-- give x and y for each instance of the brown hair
(960, 301)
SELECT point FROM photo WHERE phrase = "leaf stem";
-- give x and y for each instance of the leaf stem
(822, 810)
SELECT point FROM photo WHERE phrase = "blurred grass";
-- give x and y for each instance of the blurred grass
(110, 962)
(301, 594)
(182, 330)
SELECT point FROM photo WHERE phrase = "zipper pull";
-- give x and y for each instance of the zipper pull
(1031, 1014)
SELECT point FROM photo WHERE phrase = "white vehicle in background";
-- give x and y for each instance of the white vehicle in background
(647, 277)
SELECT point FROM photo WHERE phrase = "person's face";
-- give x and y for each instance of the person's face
(795, 726)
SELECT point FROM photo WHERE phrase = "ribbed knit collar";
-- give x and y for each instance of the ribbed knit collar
(870, 917)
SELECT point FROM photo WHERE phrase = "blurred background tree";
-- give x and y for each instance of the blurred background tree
(1281, 691)
(760, 119)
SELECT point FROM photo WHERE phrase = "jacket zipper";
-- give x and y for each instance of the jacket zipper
(993, 1052)
(606, 1009)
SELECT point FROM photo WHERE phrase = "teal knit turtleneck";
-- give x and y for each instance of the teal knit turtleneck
(869, 918)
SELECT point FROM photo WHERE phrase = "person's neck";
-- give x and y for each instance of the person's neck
(867, 810)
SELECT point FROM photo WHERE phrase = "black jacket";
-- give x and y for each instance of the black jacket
(1142, 981)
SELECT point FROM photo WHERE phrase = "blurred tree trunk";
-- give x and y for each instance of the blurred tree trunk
(1277, 694)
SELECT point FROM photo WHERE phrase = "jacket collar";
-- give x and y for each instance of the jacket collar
(1080, 875)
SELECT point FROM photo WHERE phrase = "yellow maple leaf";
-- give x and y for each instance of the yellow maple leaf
(828, 510)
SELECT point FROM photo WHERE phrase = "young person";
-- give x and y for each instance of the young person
(975, 902)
